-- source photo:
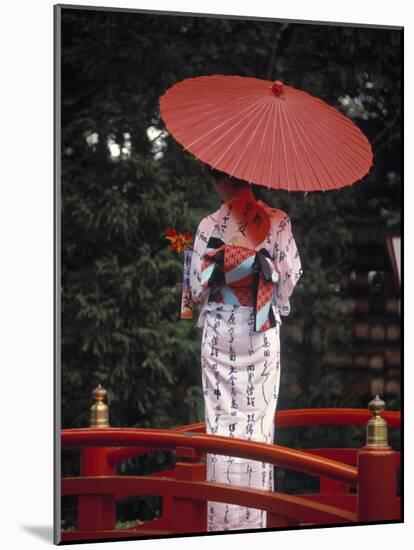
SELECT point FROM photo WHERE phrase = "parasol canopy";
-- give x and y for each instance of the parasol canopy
(267, 133)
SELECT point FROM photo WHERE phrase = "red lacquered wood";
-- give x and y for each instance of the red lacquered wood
(290, 506)
(167, 501)
(284, 419)
(122, 453)
(96, 512)
(345, 502)
(170, 472)
(162, 524)
(327, 485)
(377, 484)
(111, 534)
(103, 448)
(347, 455)
(118, 454)
(187, 514)
(277, 520)
(274, 454)
(332, 416)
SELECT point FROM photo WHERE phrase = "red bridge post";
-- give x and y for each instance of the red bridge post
(97, 512)
(187, 515)
(377, 477)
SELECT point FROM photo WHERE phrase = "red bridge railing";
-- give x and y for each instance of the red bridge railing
(371, 470)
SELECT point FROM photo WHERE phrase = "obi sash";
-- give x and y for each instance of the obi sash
(225, 265)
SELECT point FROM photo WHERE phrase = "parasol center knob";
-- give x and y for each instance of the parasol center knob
(278, 88)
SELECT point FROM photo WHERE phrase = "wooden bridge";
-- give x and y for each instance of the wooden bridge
(371, 471)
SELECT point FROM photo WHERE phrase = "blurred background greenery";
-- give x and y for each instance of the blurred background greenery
(125, 180)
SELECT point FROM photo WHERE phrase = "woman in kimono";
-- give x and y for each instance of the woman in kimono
(241, 299)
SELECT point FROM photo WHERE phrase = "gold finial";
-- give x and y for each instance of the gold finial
(377, 428)
(99, 410)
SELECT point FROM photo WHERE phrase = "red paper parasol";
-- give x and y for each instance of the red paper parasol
(266, 133)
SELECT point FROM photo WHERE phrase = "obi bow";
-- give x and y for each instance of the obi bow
(225, 264)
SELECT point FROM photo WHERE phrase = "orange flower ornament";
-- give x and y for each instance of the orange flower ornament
(178, 240)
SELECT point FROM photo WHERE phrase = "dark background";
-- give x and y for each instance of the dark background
(121, 284)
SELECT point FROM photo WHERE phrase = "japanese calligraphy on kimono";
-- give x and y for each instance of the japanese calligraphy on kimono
(241, 294)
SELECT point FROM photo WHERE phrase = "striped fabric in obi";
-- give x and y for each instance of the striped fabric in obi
(241, 276)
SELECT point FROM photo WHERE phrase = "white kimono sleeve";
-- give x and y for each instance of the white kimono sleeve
(198, 291)
(287, 259)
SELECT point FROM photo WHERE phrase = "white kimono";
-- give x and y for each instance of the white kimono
(279, 242)
(241, 369)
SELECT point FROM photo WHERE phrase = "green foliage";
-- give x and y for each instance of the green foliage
(121, 285)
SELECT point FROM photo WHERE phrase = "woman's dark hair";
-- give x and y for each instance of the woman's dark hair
(217, 174)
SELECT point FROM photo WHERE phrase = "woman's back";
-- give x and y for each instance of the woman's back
(280, 246)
